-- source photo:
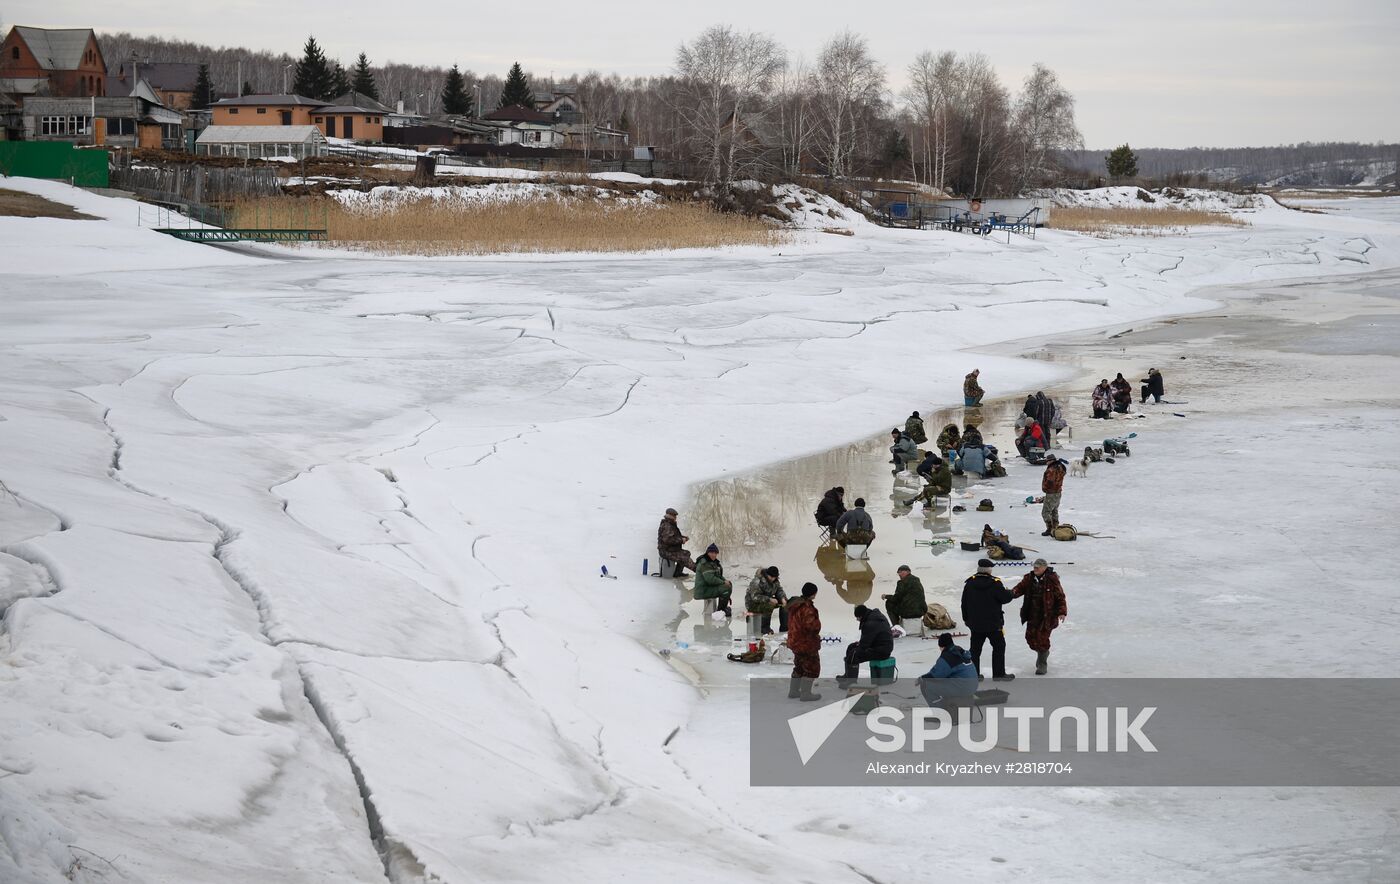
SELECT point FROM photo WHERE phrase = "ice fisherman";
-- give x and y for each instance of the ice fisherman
(1052, 483)
(914, 426)
(710, 582)
(952, 676)
(670, 542)
(982, 600)
(831, 508)
(1122, 394)
(804, 639)
(766, 594)
(972, 391)
(1102, 400)
(907, 600)
(903, 449)
(876, 641)
(1153, 386)
(1043, 607)
(855, 526)
(939, 476)
(949, 440)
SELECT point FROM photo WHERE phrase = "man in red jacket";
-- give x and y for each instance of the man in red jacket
(1052, 483)
(1043, 607)
(804, 639)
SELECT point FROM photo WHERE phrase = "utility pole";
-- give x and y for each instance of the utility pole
(476, 87)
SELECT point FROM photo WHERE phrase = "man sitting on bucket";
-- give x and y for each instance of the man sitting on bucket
(855, 526)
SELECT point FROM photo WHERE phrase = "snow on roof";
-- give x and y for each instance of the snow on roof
(56, 49)
(260, 135)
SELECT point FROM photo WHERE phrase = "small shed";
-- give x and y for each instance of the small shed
(261, 142)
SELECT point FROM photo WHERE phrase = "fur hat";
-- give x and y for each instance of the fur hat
(984, 566)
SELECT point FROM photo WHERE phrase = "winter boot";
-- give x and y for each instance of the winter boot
(1042, 662)
(794, 688)
(806, 691)
(1005, 676)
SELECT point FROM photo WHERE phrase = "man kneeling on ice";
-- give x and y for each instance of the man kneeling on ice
(952, 677)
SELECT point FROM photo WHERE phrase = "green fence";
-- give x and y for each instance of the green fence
(54, 159)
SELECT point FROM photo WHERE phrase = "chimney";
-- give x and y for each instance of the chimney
(400, 107)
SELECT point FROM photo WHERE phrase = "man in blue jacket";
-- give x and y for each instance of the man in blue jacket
(953, 675)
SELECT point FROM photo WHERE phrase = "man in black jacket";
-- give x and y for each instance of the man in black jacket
(876, 641)
(831, 508)
(983, 596)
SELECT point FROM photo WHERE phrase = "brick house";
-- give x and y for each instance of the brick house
(351, 116)
(61, 63)
(265, 110)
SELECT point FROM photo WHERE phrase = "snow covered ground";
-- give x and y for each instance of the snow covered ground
(301, 553)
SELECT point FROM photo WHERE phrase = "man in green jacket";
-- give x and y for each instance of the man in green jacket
(908, 599)
(710, 582)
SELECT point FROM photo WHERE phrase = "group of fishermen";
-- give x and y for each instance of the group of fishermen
(1116, 396)
(1043, 607)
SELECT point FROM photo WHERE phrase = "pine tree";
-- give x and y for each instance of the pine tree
(1122, 162)
(340, 82)
(203, 89)
(624, 123)
(247, 88)
(455, 99)
(313, 74)
(896, 151)
(364, 79)
(516, 90)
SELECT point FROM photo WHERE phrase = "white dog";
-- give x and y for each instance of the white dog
(1079, 467)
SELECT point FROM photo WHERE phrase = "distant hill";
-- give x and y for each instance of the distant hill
(1331, 164)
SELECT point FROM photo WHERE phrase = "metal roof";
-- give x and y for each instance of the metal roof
(346, 109)
(171, 76)
(56, 49)
(271, 101)
(260, 135)
(361, 101)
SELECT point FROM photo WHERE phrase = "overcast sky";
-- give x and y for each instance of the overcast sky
(1175, 73)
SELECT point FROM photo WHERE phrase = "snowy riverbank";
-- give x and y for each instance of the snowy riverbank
(326, 533)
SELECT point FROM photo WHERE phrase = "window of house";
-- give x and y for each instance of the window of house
(71, 125)
(262, 110)
(320, 119)
(233, 110)
(121, 126)
(14, 53)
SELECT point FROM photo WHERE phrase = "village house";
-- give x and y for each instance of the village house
(58, 63)
(265, 110)
(172, 81)
(136, 120)
(522, 125)
(352, 116)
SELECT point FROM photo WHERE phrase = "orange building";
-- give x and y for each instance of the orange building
(59, 63)
(265, 110)
(350, 116)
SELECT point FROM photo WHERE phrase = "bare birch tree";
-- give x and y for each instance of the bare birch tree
(1044, 122)
(726, 74)
(848, 80)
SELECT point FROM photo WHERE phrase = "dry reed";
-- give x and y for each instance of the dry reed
(419, 224)
(1149, 222)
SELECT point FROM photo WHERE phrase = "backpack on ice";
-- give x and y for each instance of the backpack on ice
(1064, 531)
(937, 617)
(985, 506)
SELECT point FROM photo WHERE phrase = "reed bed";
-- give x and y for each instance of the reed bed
(439, 224)
(1163, 221)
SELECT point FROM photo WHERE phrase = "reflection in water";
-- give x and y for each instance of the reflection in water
(854, 579)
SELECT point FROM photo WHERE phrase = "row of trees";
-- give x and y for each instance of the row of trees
(748, 108)
(738, 104)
